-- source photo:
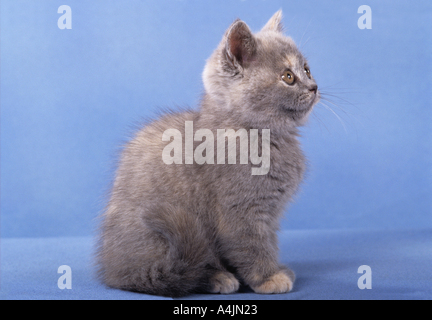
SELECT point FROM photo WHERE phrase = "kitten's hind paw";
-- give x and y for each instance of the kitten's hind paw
(223, 282)
(278, 283)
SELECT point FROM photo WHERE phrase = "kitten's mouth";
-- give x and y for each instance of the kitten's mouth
(304, 107)
(313, 101)
(308, 103)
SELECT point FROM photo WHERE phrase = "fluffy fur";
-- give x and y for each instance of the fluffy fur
(176, 229)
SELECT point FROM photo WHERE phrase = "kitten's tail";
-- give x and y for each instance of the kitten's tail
(187, 265)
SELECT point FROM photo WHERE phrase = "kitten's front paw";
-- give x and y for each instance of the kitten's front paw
(278, 283)
(223, 282)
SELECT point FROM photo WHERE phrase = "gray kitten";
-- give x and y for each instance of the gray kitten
(174, 229)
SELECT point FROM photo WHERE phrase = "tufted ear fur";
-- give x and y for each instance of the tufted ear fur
(240, 44)
(275, 23)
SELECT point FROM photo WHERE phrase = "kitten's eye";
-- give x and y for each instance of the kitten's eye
(307, 72)
(288, 77)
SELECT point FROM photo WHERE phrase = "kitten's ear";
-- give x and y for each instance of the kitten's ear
(240, 44)
(275, 23)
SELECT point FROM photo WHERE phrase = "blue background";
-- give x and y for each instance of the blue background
(70, 98)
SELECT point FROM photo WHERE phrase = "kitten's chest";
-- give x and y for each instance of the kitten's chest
(287, 166)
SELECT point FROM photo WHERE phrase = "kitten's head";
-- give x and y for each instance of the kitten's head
(260, 78)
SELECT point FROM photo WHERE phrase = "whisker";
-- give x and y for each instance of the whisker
(321, 122)
(334, 87)
(303, 44)
(300, 45)
(327, 93)
(332, 90)
(324, 97)
(339, 107)
(339, 118)
(310, 38)
(330, 86)
(337, 96)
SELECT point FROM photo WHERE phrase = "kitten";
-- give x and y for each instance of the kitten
(174, 229)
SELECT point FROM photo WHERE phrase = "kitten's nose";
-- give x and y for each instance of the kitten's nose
(314, 88)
